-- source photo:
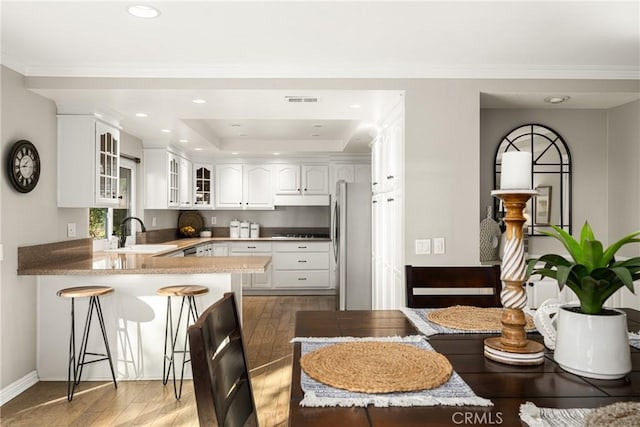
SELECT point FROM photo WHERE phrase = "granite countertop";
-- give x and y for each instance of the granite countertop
(76, 258)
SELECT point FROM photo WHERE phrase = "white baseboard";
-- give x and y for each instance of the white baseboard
(17, 387)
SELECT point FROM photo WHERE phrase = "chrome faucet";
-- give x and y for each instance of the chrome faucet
(122, 240)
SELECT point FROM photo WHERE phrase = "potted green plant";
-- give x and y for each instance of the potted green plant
(589, 340)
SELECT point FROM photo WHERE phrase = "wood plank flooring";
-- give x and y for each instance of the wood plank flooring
(268, 327)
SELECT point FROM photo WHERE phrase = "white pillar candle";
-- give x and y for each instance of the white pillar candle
(516, 171)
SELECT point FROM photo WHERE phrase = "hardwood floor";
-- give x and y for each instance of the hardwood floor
(268, 326)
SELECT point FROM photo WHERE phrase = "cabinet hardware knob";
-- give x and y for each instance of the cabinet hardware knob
(251, 247)
(302, 247)
(374, 183)
(302, 260)
(374, 201)
(302, 278)
(390, 199)
(390, 176)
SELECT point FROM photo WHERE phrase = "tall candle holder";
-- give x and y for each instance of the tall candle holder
(513, 347)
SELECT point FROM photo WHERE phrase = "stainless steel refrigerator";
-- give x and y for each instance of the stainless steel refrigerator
(351, 236)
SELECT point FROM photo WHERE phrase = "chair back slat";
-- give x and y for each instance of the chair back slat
(220, 372)
(436, 287)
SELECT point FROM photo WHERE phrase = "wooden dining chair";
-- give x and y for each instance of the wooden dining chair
(436, 287)
(224, 396)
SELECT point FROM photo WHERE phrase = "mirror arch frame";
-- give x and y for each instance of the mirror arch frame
(565, 168)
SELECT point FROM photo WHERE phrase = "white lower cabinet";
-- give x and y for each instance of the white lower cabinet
(253, 280)
(301, 265)
(540, 290)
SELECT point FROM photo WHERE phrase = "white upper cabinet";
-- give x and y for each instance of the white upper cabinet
(258, 186)
(186, 183)
(287, 179)
(174, 180)
(241, 186)
(168, 180)
(387, 155)
(342, 172)
(88, 162)
(229, 186)
(203, 185)
(315, 179)
(301, 184)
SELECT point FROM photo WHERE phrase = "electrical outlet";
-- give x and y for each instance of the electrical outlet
(423, 246)
(71, 229)
(438, 245)
(154, 222)
(213, 220)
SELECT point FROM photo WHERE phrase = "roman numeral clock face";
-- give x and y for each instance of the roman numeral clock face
(24, 166)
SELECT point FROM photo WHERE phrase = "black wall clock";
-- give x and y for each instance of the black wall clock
(24, 166)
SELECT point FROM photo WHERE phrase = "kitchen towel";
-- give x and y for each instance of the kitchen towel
(455, 392)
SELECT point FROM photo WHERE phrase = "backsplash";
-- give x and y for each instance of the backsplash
(282, 216)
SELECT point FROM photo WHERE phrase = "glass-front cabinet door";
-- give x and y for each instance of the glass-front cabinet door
(174, 181)
(108, 155)
(203, 185)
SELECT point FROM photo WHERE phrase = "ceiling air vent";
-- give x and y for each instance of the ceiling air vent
(301, 99)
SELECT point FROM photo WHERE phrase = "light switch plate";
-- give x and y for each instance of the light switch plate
(423, 246)
(438, 245)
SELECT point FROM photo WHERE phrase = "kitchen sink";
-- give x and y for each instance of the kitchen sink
(142, 249)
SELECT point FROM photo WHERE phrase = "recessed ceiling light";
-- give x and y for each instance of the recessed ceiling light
(184, 141)
(199, 101)
(556, 99)
(141, 115)
(143, 11)
(276, 154)
(354, 105)
(165, 130)
(198, 149)
(234, 153)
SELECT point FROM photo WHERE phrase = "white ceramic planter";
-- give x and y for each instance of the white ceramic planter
(593, 346)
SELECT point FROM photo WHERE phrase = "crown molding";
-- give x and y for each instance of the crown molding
(397, 70)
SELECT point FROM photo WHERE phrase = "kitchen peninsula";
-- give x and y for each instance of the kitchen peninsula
(134, 314)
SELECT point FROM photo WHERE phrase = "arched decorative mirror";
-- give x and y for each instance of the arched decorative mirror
(551, 176)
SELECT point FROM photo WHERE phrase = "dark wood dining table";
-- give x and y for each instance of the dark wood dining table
(507, 386)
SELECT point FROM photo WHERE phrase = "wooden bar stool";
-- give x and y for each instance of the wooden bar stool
(76, 365)
(188, 294)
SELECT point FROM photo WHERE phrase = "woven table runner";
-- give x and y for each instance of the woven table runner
(620, 414)
(453, 392)
(418, 317)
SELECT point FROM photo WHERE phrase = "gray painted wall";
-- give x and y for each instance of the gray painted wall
(27, 219)
(624, 173)
(585, 132)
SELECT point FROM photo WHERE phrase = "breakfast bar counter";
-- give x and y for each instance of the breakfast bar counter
(134, 314)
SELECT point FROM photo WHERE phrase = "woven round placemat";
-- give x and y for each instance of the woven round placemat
(470, 318)
(377, 367)
(620, 414)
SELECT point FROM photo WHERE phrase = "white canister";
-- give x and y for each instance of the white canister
(244, 230)
(234, 229)
(255, 230)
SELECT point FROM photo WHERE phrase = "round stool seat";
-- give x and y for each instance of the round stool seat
(182, 290)
(84, 291)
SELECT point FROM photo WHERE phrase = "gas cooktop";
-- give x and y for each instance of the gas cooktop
(300, 236)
